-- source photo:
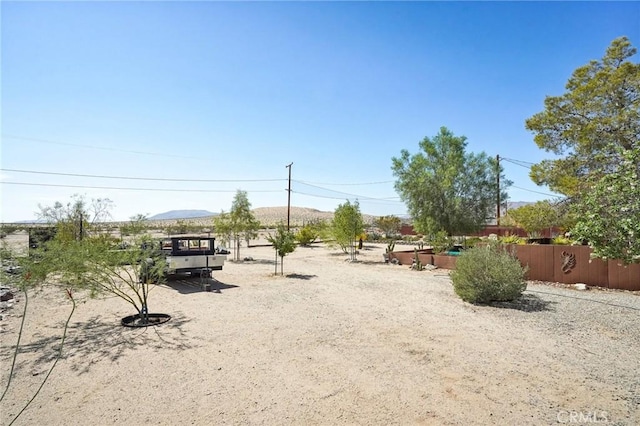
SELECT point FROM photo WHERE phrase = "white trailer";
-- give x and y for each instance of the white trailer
(194, 255)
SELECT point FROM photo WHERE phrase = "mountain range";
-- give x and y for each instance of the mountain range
(182, 214)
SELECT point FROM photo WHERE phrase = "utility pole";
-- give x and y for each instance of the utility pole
(289, 197)
(81, 227)
(498, 191)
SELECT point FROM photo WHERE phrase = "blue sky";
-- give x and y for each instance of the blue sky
(236, 91)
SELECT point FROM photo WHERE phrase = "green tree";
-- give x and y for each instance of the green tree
(90, 260)
(310, 232)
(284, 243)
(592, 125)
(390, 225)
(446, 188)
(609, 212)
(534, 218)
(79, 216)
(138, 224)
(222, 228)
(239, 224)
(346, 227)
(595, 126)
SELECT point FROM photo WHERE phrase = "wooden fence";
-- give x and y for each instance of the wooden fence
(554, 263)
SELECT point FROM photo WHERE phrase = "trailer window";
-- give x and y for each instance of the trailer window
(193, 245)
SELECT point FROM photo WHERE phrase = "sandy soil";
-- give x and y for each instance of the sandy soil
(331, 343)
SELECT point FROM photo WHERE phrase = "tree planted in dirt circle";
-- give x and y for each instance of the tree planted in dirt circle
(284, 242)
(95, 261)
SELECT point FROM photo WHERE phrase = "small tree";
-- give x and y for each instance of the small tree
(81, 258)
(75, 218)
(137, 225)
(346, 226)
(222, 228)
(534, 218)
(310, 232)
(284, 243)
(242, 223)
(95, 264)
(390, 225)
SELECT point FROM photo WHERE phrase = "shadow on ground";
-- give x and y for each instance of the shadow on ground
(98, 339)
(301, 276)
(526, 303)
(191, 285)
(252, 262)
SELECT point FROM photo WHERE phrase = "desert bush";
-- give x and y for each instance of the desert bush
(512, 239)
(374, 236)
(8, 229)
(440, 242)
(486, 274)
(561, 240)
(471, 242)
(307, 235)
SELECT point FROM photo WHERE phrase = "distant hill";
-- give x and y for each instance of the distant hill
(512, 205)
(182, 214)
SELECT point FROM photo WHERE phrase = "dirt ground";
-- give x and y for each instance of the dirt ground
(332, 342)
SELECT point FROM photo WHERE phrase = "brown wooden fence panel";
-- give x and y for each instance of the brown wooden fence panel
(624, 277)
(564, 264)
(538, 260)
(573, 264)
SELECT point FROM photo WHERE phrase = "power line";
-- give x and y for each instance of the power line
(104, 148)
(372, 200)
(347, 184)
(537, 192)
(344, 193)
(139, 178)
(126, 188)
(517, 162)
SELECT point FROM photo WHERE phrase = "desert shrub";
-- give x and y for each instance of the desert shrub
(8, 229)
(307, 235)
(561, 240)
(374, 236)
(471, 242)
(512, 239)
(312, 231)
(441, 242)
(486, 274)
